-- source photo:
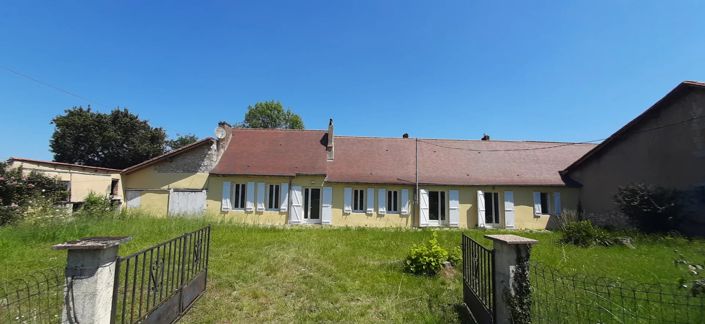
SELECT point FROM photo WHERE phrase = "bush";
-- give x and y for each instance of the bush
(428, 258)
(584, 234)
(95, 206)
(651, 209)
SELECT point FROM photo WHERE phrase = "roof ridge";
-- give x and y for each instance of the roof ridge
(463, 140)
(278, 129)
(62, 163)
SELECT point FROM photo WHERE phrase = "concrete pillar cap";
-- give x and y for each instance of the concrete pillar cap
(93, 243)
(511, 239)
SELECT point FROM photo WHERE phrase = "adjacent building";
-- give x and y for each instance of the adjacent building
(80, 180)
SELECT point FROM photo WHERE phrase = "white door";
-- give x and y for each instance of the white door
(187, 203)
(312, 205)
(437, 208)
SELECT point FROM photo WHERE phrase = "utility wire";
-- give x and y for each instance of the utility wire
(46, 84)
(562, 144)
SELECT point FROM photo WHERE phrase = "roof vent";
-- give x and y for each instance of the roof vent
(405, 135)
(485, 137)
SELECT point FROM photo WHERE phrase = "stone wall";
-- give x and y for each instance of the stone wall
(201, 159)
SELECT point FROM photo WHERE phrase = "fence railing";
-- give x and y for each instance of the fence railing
(478, 279)
(159, 283)
(559, 298)
(37, 297)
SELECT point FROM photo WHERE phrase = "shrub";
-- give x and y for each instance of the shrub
(426, 259)
(584, 234)
(95, 206)
(455, 256)
(651, 209)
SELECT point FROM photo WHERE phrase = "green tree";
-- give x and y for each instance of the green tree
(118, 139)
(181, 141)
(271, 114)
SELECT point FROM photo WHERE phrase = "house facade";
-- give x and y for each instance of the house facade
(664, 146)
(277, 177)
(80, 180)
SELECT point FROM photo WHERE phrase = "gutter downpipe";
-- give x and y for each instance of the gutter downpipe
(416, 196)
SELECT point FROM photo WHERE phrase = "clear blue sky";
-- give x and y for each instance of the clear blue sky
(524, 70)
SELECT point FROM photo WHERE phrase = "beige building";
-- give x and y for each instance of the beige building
(277, 177)
(80, 180)
(664, 146)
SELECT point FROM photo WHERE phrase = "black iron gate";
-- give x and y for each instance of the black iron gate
(478, 280)
(158, 284)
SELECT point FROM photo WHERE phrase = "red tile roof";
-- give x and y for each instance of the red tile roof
(273, 152)
(393, 160)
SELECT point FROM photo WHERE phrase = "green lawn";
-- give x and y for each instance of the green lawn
(332, 274)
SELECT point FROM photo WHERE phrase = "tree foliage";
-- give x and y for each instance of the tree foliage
(19, 190)
(271, 114)
(118, 139)
(181, 141)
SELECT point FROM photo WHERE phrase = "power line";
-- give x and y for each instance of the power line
(562, 144)
(46, 84)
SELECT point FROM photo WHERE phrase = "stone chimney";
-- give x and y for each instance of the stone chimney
(330, 146)
(222, 143)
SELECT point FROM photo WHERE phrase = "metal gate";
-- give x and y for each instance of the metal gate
(478, 280)
(159, 284)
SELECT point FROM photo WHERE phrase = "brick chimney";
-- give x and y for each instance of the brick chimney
(330, 145)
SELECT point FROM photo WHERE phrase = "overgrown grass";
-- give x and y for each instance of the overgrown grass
(287, 274)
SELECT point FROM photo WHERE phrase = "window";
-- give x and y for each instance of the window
(114, 187)
(544, 203)
(491, 208)
(437, 205)
(273, 196)
(392, 201)
(358, 200)
(238, 198)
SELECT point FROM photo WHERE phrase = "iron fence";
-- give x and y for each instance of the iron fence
(559, 298)
(37, 297)
(158, 284)
(478, 279)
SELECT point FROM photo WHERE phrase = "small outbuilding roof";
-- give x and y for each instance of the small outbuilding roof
(62, 164)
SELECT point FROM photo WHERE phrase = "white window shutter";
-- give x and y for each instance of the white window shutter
(382, 201)
(370, 201)
(327, 206)
(283, 197)
(557, 203)
(405, 201)
(296, 213)
(508, 209)
(537, 204)
(260, 196)
(423, 207)
(480, 209)
(225, 201)
(453, 208)
(250, 203)
(347, 204)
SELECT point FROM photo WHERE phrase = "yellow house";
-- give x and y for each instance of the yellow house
(277, 177)
(80, 180)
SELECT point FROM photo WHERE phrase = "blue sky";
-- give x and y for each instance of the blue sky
(524, 70)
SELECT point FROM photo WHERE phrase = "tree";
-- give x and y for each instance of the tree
(271, 114)
(181, 141)
(118, 139)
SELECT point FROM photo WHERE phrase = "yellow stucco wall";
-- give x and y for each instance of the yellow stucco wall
(82, 181)
(154, 187)
(266, 217)
(523, 202)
